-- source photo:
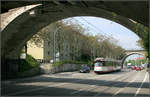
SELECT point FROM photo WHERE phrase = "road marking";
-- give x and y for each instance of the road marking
(125, 86)
(93, 85)
(138, 90)
(50, 85)
(31, 90)
(76, 91)
(114, 85)
(114, 78)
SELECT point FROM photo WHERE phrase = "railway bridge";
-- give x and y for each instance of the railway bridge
(132, 52)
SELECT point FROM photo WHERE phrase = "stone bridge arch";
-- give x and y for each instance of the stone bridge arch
(29, 22)
(23, 27)
(132, 53)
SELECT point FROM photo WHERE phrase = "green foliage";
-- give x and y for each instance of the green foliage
(143, 32)
(114, 16)
(136, 62)
(73, 44)
(28, 63)
(60, 63)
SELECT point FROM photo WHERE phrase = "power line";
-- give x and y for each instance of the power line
(95, 27)
(78, 21)
(84, 24)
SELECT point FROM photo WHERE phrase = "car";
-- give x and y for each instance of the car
(85, 69)
(138, 69)
(133, 67)
(129, 67)
(141, 67)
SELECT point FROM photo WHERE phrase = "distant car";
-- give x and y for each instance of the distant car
(141, 67)
(129, 67)
(138, 69)
(85, 69)
(133, 67)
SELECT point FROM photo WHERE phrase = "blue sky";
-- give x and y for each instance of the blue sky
(126, 38)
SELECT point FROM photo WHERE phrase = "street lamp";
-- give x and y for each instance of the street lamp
(54, 43)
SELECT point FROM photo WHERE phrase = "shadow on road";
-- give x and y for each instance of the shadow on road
(18, 86)
(54, 91)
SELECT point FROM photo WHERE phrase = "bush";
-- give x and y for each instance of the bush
(60, 63)
(28, 63)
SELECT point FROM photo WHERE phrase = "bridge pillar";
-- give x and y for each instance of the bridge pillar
(9, 67)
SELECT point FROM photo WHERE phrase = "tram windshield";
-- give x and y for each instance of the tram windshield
(98, 64)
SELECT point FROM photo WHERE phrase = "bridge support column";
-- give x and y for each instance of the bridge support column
(9, 68)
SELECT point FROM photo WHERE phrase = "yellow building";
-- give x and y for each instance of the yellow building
(35, 51)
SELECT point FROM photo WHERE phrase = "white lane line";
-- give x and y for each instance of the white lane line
(31, 90)
(124, 77)
(48, 86)
(83, 88)
(138, 90)
(115, 78)
(125, 86)
(112, 86)
(80, 90)
(76, 91)
(93, 85)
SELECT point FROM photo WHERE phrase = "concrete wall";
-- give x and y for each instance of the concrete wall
(32, 72)
(47, 68)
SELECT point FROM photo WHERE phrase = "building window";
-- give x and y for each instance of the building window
(48, 53)
(48, 42)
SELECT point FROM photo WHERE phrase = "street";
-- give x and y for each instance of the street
(123, 83)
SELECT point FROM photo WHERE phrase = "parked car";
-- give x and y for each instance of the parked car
(85, 69)
(138, 68)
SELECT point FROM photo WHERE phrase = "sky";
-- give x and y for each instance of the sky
(126, 38)
(95, 25)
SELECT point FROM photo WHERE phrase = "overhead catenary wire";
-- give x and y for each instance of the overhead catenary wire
(88, 26)
(93, 26)
(96, 27)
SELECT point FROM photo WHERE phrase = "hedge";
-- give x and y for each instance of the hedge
(28, 63)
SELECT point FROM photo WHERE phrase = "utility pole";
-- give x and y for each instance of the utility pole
(54, 46)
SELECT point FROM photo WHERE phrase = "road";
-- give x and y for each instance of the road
(123, 83)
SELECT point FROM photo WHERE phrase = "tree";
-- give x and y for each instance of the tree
(74, 44)
(144, 33)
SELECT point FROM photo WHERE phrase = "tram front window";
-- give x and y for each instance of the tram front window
(98, 64)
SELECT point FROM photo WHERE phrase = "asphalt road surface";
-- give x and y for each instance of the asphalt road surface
(123, 83)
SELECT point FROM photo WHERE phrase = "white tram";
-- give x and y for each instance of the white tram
(102, 65)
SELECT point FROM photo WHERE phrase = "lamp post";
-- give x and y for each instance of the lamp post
(54, 44)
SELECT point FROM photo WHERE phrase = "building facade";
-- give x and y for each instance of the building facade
(54, 41)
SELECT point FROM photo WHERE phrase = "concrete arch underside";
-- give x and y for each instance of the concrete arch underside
(22, 28)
